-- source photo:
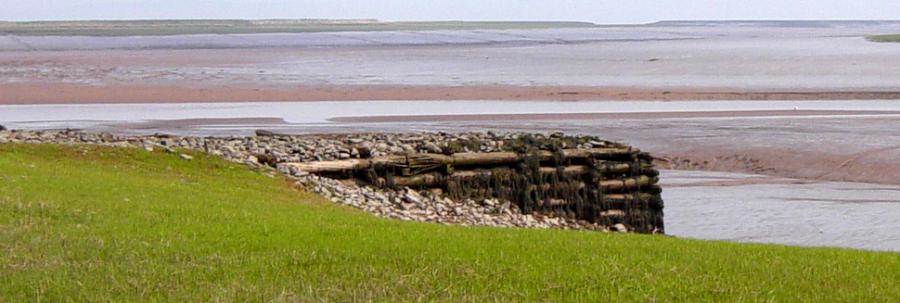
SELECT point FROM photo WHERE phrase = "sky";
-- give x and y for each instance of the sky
(597, 11)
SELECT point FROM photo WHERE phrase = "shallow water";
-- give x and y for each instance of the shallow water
(856, 215)
(302, 116)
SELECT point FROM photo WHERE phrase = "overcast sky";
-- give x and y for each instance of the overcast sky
(598, 11)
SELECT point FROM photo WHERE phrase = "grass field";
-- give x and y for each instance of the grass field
(884, 38)
(99, 224)
(187, 27)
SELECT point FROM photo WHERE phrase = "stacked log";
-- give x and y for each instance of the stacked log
(612, 185)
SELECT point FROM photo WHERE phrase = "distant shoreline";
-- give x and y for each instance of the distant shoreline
(121, 28)
(124, 28)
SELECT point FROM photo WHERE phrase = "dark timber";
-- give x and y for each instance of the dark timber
(608, 183)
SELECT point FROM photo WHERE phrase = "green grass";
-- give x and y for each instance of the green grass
(186, 27)
(884, 38)
(98, 224)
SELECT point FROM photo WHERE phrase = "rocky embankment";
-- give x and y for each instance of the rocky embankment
(265, 150)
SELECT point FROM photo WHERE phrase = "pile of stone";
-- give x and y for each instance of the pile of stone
(269, 151)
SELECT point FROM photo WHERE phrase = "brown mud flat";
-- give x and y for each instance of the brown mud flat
(67, 93)
(873, 166)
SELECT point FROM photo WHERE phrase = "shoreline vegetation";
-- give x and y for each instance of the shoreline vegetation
(884, 38)
(89, 223)
(194, 27)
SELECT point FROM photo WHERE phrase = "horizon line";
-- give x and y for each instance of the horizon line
(375, 20)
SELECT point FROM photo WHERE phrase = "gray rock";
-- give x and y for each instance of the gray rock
(595, 143)
(264, 133)
(431, 147)
(266, 159)
(412, 197)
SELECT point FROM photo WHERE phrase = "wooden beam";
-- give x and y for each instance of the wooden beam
(458, 159)
(435, 179)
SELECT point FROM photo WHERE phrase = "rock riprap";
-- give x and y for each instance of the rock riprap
(480, 178)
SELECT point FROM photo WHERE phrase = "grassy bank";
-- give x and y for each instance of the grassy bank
(88, 223)
(884, 38)
(188, 27)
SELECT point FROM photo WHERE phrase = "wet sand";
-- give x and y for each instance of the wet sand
(65, 93)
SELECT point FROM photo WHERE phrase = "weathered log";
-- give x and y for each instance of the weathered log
(618, 201)
(458, 159)
(612, 213)
(633, 197)
(627, 183)
(622, 215)
(436, 179)
(635, 200)
(615, 185)
(328, 166)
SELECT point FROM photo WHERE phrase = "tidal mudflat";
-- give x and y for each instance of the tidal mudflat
(711, 61)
